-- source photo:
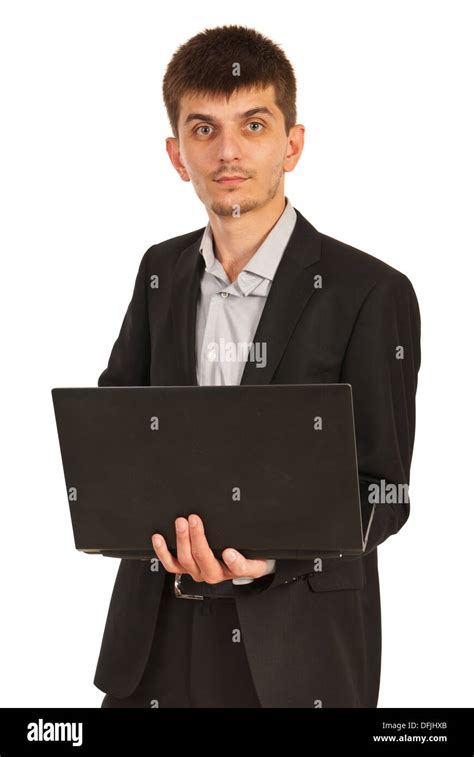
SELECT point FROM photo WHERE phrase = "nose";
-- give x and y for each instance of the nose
(228, 147)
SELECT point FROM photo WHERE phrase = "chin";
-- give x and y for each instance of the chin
(226, 207)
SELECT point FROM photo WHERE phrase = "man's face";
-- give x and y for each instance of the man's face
(244, 137)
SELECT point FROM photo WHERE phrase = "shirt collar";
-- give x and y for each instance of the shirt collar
(263, 264)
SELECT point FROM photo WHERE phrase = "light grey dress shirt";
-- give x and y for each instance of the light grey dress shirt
(228, 313)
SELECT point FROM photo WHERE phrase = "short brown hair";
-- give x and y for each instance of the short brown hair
(204, 65)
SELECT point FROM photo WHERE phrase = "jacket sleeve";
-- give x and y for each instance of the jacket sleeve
(381, 363)
(129, 361)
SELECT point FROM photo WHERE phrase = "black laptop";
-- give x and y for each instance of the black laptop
(271, 469)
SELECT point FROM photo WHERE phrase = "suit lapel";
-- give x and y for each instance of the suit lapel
(291, 289)
(186, 286)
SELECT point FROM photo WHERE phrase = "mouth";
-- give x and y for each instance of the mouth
(230, 181)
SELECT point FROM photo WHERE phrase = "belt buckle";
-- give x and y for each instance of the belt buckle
(181, 594)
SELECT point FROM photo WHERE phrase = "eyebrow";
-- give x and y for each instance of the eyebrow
(210, 119)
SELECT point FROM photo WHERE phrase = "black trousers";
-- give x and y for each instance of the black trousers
(197, 658)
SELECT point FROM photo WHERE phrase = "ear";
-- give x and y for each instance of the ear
(172, 148)
(295, 147)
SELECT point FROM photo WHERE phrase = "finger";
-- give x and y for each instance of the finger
(170, 563)
(240, 566)
(208, 564)
(183, 546)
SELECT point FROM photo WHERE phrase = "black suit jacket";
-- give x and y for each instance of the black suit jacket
(312, 638)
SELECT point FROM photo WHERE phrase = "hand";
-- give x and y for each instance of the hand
(196, 557)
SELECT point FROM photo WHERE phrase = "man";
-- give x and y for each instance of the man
(258, 633)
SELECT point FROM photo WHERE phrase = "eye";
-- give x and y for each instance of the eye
(204, 126)
(256, 123)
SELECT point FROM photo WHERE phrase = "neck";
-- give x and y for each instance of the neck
(236, 240)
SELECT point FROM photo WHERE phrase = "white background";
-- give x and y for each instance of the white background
(385, 93)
